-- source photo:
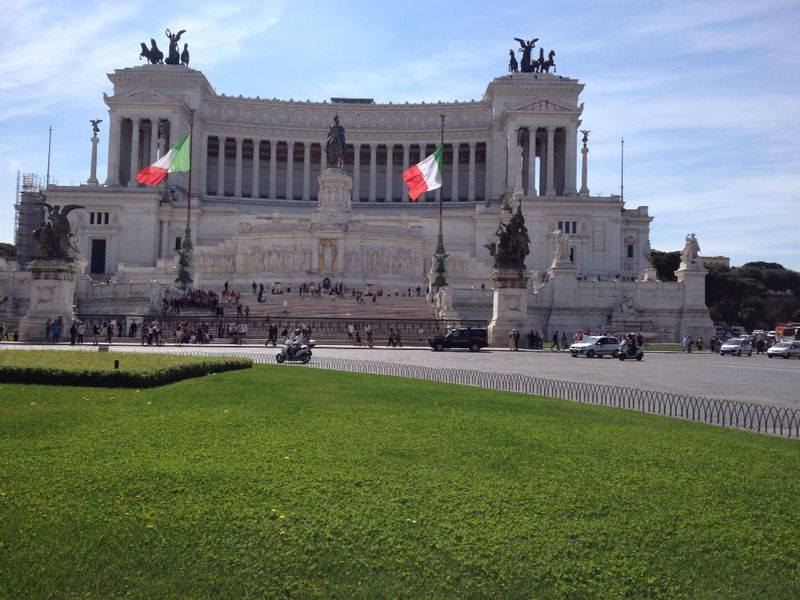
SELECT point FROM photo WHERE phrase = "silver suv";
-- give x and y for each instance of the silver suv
(595, 345)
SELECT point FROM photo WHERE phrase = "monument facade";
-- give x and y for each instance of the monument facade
(276, 199)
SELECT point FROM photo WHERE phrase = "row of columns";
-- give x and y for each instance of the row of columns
(157, 146)
(548, 162)
(357, 171)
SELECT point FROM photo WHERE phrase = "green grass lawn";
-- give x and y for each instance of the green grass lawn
(98, 368)
(282, 481)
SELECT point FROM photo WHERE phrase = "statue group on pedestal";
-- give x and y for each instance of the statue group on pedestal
(55, 235)
(156, 57)
(527, 64)
(690, 255)
(512, 245)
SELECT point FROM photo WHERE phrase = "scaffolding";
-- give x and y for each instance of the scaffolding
(28, 213)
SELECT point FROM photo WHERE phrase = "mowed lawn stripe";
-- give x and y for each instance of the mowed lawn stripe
(281, 480)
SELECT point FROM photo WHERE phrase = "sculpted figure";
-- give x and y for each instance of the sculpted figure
(526, 47)
(690, 253)
(152, 54)
(550, 62)
(173, 58)
(561, 247)
(96, 125)
(335, 143)
(513, 66)
(512, 245)
(185, 55)
(54, 236)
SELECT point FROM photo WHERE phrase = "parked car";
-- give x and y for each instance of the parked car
(736, 347)
(595, 345)
(467, 337)
(784, 350)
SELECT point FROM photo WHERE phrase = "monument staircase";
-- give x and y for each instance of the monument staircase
(332, 307)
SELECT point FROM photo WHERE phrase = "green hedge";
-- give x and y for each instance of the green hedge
(121, 377)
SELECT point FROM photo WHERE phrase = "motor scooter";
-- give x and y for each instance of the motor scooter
(294, 353)
(625, 351)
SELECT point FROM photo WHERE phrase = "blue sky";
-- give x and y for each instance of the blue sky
(706, 94)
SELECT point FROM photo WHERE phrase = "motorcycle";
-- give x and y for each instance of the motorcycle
(625, 351)
(294, 353)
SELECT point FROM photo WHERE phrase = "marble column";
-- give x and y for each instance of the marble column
(511, 158)
(356, 172)
(273, 169)
(306, 171)
(254, 193)
(570, 159)
(551, 162)
(488, 167)
(531, 191)
(290, 170)
(203, 175)
(237, 191)
(323, 158)
(221, 166)
(454, 182)
(153, 140)
(389, 167)
(584, 170)
(471, 176)
(112, 176)
(406, 160)
(134, 151)
(373, 171)
(422, 149)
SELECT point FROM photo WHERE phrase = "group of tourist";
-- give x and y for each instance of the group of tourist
(191, 298)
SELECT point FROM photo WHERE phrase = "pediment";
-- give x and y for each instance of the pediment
(543, 105)
(142, 97)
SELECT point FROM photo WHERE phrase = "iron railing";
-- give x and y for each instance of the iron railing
(734, 414)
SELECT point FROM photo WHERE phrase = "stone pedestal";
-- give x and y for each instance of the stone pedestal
(694, 320)
(334, 203)
(52, 296)
(509, 307)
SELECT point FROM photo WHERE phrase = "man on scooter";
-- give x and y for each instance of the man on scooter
(296, 341)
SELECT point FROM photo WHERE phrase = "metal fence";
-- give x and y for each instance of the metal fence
(781, 421)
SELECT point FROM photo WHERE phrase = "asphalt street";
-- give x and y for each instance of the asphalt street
(753, 379)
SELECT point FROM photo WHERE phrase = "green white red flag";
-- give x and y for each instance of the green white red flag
(424, 176)
(174, 161)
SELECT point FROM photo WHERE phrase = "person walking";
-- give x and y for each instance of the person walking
(555, 342)
(55, 330)
(564, 344)
(48, 327)
(73, 333)
(81, 331)
(369, 336)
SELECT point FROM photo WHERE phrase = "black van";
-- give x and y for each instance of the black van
(465, 337)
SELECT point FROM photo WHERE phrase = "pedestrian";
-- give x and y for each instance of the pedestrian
(48, 327)
(350, 332)
(564, 344)
(397, 341)
(81, 331)
(358, 337)
(73, 333)
(531, 340)
(255, 287)
(369, 336)
(555, 342)
(55, 329)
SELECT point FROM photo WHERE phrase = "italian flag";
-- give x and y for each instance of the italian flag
(424, 176)
(174, 161)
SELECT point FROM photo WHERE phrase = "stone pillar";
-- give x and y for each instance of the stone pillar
(389, 167)
(422, 148)
(221, 166)
(52, 293)
(454, 183)
(584, 171)
(273, 168)
(256, 168)
(511, 158)
(550, 190)
(323, 158)
(306, 171)
(373, 170)
(356, 172)
(570, 159)
(163, 241)
(153, 140)
(134, 151)
(203, 175)
(487, 169)
(531, 191)
(93, 164)
(237, 190)
(406, 160)
(290, 170)
(114, 130)
(471, 183)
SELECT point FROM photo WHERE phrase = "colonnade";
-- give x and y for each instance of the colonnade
(374, 180)
(129, 153)
(555, 147)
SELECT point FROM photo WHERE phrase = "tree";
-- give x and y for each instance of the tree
(665, 264)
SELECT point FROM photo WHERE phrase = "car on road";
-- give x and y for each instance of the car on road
(470, 338)
(595, 346)
(736, 347)
(784, 350)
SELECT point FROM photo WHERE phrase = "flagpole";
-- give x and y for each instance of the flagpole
(440, 281)
(184, 274)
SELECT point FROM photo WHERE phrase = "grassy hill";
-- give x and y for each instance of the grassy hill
(281, 481)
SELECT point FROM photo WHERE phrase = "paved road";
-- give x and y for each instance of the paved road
(753, 379)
